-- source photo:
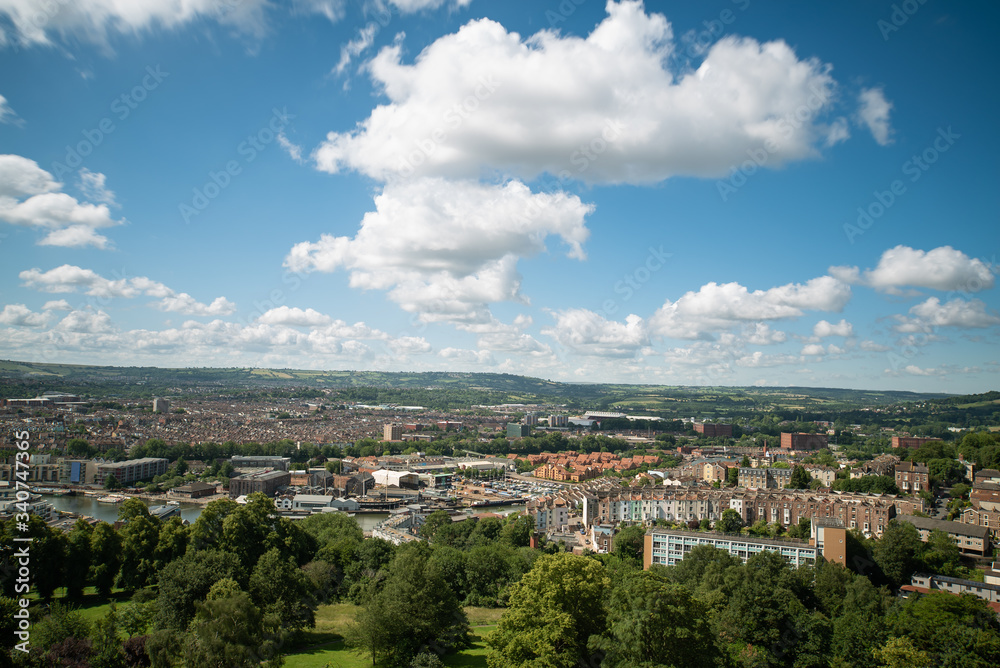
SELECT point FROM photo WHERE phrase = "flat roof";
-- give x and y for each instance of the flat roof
(946, 526)
(734, 537)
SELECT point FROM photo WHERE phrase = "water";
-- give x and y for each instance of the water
(108, 512)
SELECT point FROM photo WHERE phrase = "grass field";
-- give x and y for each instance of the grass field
(323, 646)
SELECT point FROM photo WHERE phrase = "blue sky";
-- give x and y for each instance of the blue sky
(727, 193)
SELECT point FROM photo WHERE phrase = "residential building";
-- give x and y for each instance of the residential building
(771, 478)
(912, 477)
(161, 405)
(925, 583)
(392, 432)
(985, 510)
(669, 546)
(131, 471)
(971, 540)
(77, 471)
(518, 430)
(558, 421)
(881, 465)
(601, 538)
(800, 441)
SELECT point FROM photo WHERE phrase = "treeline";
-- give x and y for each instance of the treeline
(711, 610)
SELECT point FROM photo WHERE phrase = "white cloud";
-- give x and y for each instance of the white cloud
(86, 322)
(953, 313)
(188, 305)
(761, 334)
(19, 315)
(293, 150)
(68, 222)
(590, 333)
(294, 317)
(873, 110)
(873, 347)
(823, 329)
(355, 47)
(409, 345)
(95, 21)
(718, 307)
(837, 132)
(410, 6)
(813, 349)
(21, 177)
(943, 268)
(476, 358)
(448, 249)
(462, 108)
(8, 115)
(70, 278)
(331, 9)
(757, 359)
(93, 188)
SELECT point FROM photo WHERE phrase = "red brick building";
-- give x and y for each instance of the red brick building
(910, 441)
(912, 477)
(800, 441)
(711, 430)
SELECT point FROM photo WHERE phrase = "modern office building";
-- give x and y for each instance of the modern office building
(248, 462)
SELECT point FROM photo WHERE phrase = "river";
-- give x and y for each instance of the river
(108, 512)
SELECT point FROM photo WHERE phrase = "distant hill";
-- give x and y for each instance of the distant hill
(430, 388)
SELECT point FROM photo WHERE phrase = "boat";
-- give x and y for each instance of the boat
(173, 503)
(111, 498)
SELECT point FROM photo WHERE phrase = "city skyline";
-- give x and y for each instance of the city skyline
(733, 193)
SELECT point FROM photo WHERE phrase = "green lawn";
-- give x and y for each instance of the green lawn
(322, 646)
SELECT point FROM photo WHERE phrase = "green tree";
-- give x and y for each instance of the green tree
(900, 653)
(78, 559)
(139, 538)
(554, 610)
(231, 633)
(185, 581)
(107, 647)
(653, 622)
(800, 478)
(105, 551)
(897, 552)
(730, 522)
(629, 543)
(206, 532)
(282, 589)
(111, 483)
(517, 530)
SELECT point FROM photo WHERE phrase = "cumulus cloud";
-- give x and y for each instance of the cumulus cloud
(943, 268)
(409, 345)
(94, 21)
(813, 349)
(20, 177)
(717, 307)
(873, 111)
(70, 278)
(823, 329)
(294, 317)
(68, 222)
(476, 358)
(447, 249)
(19, 315)
(761, 334)
(590, 333)
(607, 108)
(410, 6)
(953, 313)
